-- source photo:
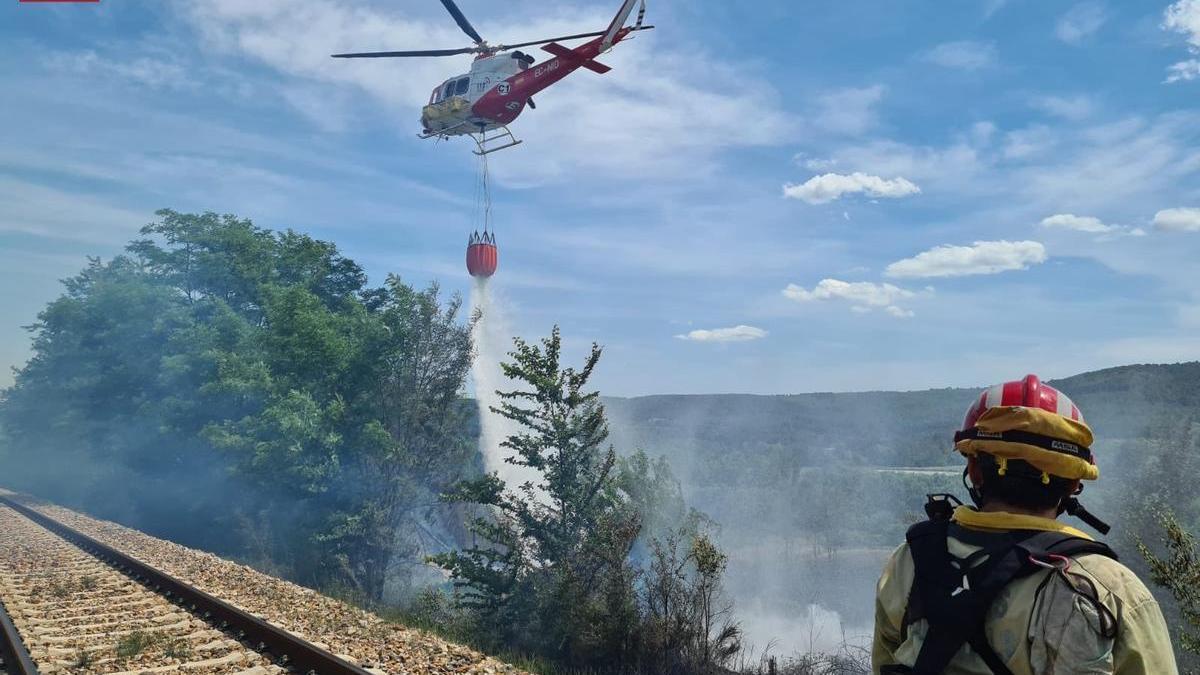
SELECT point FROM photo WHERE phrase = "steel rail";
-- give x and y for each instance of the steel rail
(291, 651)
(17, 660)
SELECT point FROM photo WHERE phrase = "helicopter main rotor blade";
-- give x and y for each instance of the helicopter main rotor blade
(565, 37)
(542, 42)
(425, 52)
(462, 22)
(481, 49)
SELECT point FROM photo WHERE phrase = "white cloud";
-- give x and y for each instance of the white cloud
(1072, 108)
(863, 296)
(1183, 71)
(1110, 166)
(1092, 225)
(739, 333)
(69, 214)
(982, 132)
(1178, 220)
(982, 257)
(990, 7)
(1071, 221)
(830, 186)
(815, 163)
(1080, 21)
(962, 55)
(1184, 17)
(954, 168)
(849, 111)
(1135, 164)
(152, 72)
(1030, 142)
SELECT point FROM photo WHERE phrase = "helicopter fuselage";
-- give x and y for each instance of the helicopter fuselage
(500, 86)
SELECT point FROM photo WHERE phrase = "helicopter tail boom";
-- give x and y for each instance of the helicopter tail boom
(570, 55)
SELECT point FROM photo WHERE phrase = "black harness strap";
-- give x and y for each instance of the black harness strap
(1042, 544)
(953, 595)
(979, 643)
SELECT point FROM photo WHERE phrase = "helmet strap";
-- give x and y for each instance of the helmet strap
(973, 491)
(1072, 506)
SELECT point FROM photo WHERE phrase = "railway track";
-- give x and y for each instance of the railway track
(71, 604)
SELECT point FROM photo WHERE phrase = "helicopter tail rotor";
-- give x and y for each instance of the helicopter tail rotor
(617, 24)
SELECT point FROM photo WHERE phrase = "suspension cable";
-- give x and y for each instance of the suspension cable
(482, 218)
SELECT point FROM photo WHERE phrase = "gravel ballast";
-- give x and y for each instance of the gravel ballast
(350, 632)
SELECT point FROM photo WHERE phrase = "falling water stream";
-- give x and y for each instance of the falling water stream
(493, 339)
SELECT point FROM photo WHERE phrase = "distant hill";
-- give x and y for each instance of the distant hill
(738, 438)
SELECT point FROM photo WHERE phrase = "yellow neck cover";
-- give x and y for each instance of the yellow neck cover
(1003, 521)
(1037, 421)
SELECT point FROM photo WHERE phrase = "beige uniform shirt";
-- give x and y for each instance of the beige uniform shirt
(1055, 632)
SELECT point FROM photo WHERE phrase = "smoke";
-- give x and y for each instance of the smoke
(789, 601)
(806, 534)
(813, 629)
(492, 339)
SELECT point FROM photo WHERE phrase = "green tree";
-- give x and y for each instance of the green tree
(688, 626)
(551, 572)
(1158, 496)
(717, 637)
(221, 377)
(597, 563)
(1178, 571)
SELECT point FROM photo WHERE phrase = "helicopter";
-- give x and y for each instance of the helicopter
(503, 79)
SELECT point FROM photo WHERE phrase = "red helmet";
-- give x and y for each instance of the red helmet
(1030, 393)
(1027, 420)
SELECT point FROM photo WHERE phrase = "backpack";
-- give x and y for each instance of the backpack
(954, 594)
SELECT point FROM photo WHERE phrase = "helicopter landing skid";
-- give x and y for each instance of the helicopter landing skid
(442, 133)
(487, 144)
(502, 139)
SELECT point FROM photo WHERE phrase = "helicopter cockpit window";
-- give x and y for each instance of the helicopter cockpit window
(462, 86)
(448, 90)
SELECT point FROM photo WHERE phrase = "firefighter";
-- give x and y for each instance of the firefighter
(1006, 588)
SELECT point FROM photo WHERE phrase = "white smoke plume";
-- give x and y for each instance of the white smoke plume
(787, 632)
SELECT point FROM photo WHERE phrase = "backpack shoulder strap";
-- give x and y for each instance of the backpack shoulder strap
(1044, 544)
(954, 595)
(1054, 550)
(927, 541)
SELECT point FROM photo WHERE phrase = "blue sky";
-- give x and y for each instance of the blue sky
(785, 198)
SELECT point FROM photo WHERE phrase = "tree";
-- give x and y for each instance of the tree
(244, 378)
(717, 637)
(551, 572)
(1159, 497)
(555, 569)
(688, 626)
(1178, 571)
(411, 427)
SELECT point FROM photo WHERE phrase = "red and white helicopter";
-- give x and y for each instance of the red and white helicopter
(483, 102)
